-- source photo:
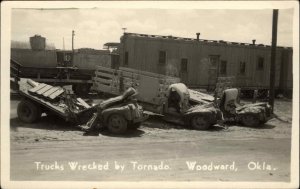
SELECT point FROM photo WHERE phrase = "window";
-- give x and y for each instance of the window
(126, 58)
(260, 63)
(162, 57)
(223, 67)
(242, 68)
(184, 62)
(213, 59)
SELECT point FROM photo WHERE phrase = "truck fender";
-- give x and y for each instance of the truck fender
(187, 117)
(124, 110)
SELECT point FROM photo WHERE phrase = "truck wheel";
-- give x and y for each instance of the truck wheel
(250, 120)
(199, 122)
(81, 89)
(117, 124)
(28, 112)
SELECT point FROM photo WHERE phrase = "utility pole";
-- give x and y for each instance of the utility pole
(124, 30)
(63, 43)
(273, 57)
(73, 34)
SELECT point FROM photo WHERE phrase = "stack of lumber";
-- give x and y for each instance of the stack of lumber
(45, 91)
(52, 93)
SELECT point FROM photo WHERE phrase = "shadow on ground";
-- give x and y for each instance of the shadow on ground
(130, 133)
(157, 122)
(46, 122)
(263, 126)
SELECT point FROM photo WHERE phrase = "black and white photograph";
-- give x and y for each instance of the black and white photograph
(150, 94)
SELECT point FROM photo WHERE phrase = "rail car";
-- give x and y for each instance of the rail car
(199, 62)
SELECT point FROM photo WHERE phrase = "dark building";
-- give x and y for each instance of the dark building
(196, 61)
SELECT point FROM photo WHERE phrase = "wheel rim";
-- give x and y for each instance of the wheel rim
(25, 111)
(116, 122)
(199, 122)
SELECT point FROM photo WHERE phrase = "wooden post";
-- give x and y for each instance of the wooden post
(273, 57)
(217, 77)
(73, 34)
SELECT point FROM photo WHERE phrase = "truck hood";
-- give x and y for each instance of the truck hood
(208, 107)
(198, 97)
(253, 108)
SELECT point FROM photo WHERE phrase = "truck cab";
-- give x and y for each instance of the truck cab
(180, 108)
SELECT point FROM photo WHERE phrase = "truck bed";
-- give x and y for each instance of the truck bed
(45, 103)
(53, 99)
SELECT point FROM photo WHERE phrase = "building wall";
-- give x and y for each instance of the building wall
(90, 61)
(38, 59)
(48, 58)
(143, 54)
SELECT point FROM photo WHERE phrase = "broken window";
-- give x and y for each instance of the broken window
(223, 67)
(126, 58)
(242, 68)
(184, 62)
(162, 57)
(260, 63)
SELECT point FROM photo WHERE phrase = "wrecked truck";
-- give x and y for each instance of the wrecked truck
(196, 113)
(251, 115)
(115, 113)
(162, 95)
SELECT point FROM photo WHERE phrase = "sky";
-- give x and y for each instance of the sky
(94, 27)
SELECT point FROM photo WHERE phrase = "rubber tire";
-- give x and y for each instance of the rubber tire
(250, 120)
(195, 122)
(28, 112)
(135, 125)
(81, 89)
(121, 126)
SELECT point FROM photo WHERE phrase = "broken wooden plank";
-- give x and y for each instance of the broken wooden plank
(83, 103)
(56, 94)
(105, 69)
(101, 80)
(50, 91)
(44, 89)
(40, 86)
(32, 83)
(102, 74)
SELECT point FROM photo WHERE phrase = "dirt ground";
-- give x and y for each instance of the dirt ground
(158, 151)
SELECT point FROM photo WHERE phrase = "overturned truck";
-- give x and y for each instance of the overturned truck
(117, 114)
